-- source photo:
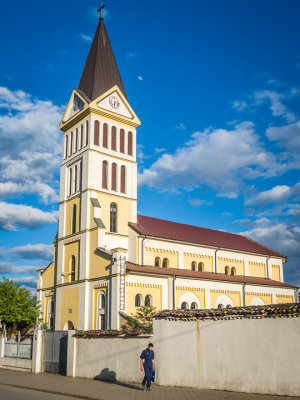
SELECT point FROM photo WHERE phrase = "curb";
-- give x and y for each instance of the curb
(51, 392)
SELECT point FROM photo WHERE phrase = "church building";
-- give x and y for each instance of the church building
(107, 259)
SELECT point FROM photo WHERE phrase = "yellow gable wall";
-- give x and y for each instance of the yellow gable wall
(235, 297)
(181, 290)
(230, 262)
(47, 299)
(95, 295)
(71, 249)
(69, 215)
(152, 253)
(124, 212)
(267, 298)
(99, 263)
(132, 289)
(282, 298)
(276, 273)
(70, 301)
(188, 258)
(48, 276)
(257, 269)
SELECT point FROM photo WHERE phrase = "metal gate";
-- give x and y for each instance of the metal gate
(56, 350)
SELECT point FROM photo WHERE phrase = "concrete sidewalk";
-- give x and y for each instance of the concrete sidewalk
(92, 389)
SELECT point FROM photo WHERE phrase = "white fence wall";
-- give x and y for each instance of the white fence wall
(247, 355)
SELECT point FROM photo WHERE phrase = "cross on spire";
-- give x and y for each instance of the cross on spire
(100, 10)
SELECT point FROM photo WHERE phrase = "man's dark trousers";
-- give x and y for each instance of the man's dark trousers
(148, 375)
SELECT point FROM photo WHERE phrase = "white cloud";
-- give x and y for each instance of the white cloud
(276, 105)
(14, 215)
(30, 150)
(218, 158)
(130, 55)
(140, 78)
(85, 38)
(8, 268)
(288, 138)
(198, 202)
(30, 251)
(27, 281)
(239, 105)
(277, 194)
(181, 126)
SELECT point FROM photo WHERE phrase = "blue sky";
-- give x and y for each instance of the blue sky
(216, 85)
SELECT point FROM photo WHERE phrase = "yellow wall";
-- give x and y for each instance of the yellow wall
(69, 300)
(69, 215)
(267, 298)
(47, 299)
(208, 261)
(276, 273)
(71, 249)
(48, 276)
(230, 262)
(235, 297)
(151, 254)
(95, 295)
(132, 289)
(99, 263)
(124, 212)
(282, 298)
(200, 293)
(257, 269)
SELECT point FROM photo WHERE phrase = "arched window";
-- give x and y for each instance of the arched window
(71, 144)
(50, 319)
(157, 262)
(200, 267)
(70, 183)
(101, 301)
(74, 219)
(114, 138)
(194, 306)
(105, 133)
(233, 271)
(73, 269)
(76, 140)
(104, 174)
(86, 133)
(138, 300)
(165, 263)
(130, 143)
(123, 179)
(122, 141)
(114, 176)
(220, 306)
(66, 149)
(226, 270)
(96, 133)
(75, 179)
(184, 305)
(113, 217)
(193, 266)
(148, 300)
(81, 137)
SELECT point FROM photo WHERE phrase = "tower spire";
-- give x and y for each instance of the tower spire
(101, 71)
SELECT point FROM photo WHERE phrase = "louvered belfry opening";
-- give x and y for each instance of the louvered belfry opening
(100, 72)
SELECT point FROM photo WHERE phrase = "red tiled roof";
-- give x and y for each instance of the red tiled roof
(194, 234)
(205, 275)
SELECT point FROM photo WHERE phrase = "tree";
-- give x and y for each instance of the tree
(141, 322)
(18, 307)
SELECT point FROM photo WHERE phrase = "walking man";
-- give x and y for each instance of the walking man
(147, 365)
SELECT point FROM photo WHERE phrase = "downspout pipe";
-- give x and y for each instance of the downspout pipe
(244, 295)
(173, 290)
(142, 260)
(267, 267)
(216, 270)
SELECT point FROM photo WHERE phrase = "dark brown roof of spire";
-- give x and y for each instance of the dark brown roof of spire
(100, 72)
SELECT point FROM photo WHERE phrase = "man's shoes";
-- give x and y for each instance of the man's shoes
(148, 389)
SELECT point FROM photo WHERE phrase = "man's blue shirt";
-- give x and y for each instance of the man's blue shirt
(148, 356)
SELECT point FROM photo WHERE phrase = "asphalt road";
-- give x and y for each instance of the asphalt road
(12, 393)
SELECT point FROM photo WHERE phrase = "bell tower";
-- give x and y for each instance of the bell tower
(98, 181)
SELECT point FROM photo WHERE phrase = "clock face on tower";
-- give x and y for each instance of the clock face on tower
(114, 102)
